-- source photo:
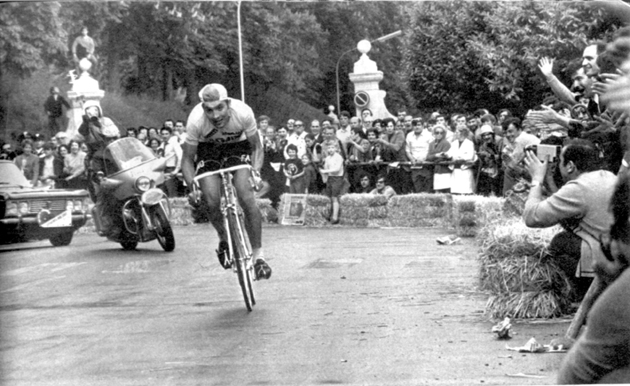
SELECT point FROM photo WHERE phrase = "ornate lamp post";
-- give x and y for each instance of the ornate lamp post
(361, 45)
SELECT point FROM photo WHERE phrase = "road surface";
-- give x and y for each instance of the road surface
(343, 306)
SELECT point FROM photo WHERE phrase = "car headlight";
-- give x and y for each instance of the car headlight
(78, 205)
(11, 209)
(69, 205)
(143, 184)
(23, 207)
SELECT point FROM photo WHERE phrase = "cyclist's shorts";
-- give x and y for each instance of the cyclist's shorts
(212, 156)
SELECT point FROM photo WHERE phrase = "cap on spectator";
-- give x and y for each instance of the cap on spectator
(213, 94)
(24, 135)
(486, 129)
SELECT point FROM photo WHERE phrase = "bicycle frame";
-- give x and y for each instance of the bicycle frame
(240, 251)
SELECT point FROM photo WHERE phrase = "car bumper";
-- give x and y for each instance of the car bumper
(16, 229)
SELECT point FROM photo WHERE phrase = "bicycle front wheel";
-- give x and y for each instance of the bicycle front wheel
(242, 257)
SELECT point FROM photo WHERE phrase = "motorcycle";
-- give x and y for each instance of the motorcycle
(139, 209)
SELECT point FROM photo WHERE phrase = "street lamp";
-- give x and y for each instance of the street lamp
(240, 50)
(381, 39)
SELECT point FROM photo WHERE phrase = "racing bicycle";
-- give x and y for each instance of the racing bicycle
(240, 250)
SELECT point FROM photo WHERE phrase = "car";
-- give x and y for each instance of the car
(31, 213)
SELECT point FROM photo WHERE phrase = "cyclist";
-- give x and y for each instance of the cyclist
(221, 132)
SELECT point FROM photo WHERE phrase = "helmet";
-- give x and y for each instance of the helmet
(93, 103)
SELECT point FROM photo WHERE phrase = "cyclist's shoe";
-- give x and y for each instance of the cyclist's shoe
(223, 254)
(262, 269)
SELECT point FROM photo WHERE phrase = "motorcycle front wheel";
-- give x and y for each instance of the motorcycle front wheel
(163, 229)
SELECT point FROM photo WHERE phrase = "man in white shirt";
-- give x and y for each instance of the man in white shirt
(297, 138)
(417, 148)
(173, 154)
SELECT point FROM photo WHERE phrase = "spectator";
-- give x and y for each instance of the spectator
(513, 151)
(54, 110)
(7, 152)
(375, 145)
(365, 185)
(393, 150)
(83, 47)
(359, 148)
(74, 167)
(172, 151)
(333, 175)
(297, 139)
(180, 131)
(294, 171)
(462, 154)
(310, 175)
(50, 166)
(316, 131)
(580, 206)
(28, 162)
(38, 144)
(489, 180)
(438, 150)
(154, 145)
(131, 132)
(383, 189)
(62, 152)
(502, 115)
(417, 148)
(366, 113)
(290, 126)
(143, 135)
(153, 134)
(344, 120)
(602, 353)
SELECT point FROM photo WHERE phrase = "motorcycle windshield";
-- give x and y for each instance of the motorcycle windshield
(124, 154)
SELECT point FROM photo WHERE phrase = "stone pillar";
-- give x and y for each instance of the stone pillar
(84, 88)
(366, 78)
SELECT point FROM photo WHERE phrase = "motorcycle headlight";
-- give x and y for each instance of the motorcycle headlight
(23, 207)
(11, 209)
(143, 184)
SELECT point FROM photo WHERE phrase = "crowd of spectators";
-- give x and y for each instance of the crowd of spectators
(59, 162)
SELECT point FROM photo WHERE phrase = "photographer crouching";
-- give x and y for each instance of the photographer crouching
(580, 206)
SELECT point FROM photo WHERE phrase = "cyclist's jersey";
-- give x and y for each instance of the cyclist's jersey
(242, 124)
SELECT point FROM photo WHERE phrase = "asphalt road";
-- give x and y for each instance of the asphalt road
(343, 306)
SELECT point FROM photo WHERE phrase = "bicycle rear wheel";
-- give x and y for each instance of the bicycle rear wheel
(242, 257)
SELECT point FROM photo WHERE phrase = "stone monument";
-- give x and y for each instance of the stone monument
(84, 88)
(366, 78)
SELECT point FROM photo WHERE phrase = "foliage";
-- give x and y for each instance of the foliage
(30, 36)
(488, 57)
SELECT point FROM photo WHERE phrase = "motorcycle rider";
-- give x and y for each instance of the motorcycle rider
(97, 132)
(221, 132)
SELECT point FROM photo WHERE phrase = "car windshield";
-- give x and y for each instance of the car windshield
(126, 153)
(10, 175)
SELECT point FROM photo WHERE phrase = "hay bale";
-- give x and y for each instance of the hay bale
(524, 282)
(419, 210)
(471, 213)
(525, 305)
(362, 200)
(315, 200)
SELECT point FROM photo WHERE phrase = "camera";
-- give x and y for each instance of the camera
(545, 152)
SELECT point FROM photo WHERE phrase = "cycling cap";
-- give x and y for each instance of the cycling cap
(213, 94)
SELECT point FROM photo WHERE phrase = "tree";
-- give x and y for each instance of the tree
(488, 57)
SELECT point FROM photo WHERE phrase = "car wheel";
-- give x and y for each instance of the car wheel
(62, 239)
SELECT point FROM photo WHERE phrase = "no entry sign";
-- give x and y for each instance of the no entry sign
(361, 99)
